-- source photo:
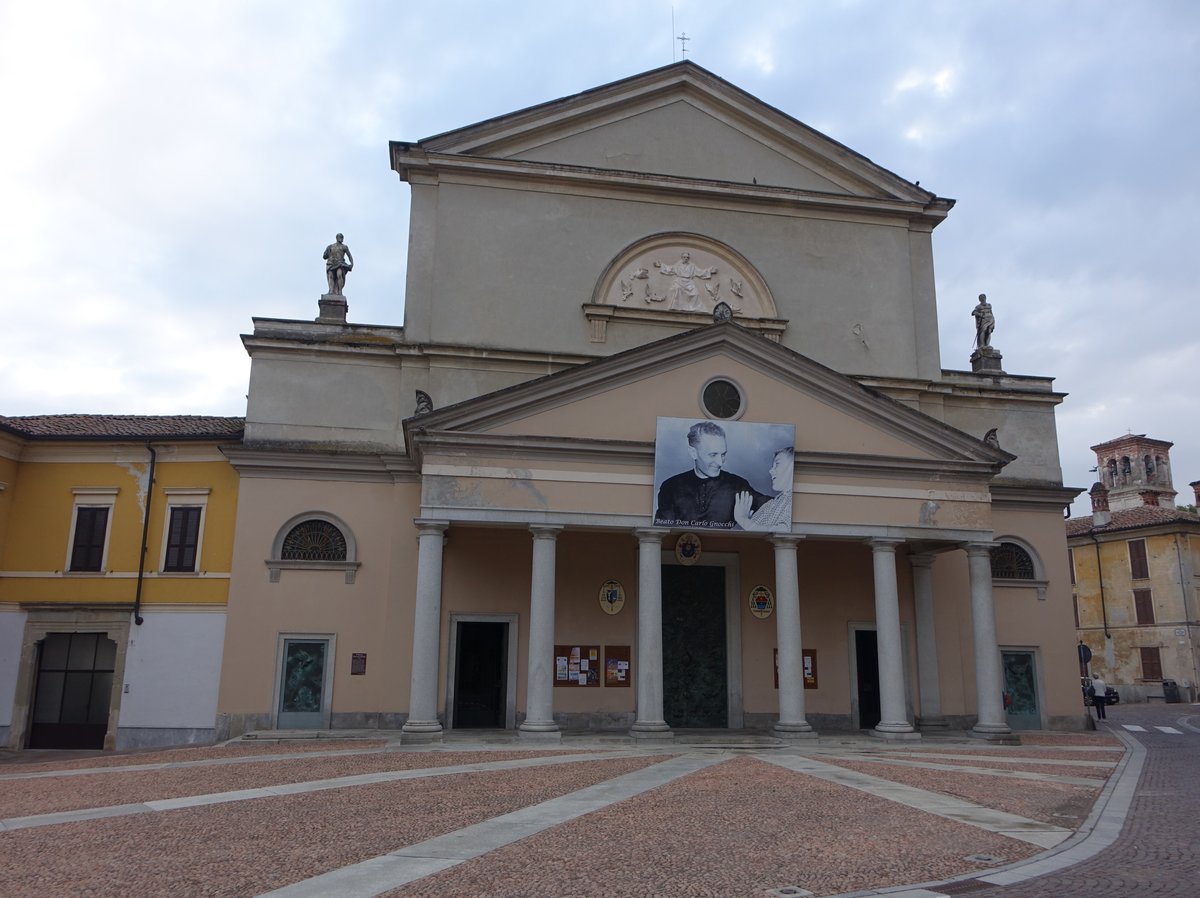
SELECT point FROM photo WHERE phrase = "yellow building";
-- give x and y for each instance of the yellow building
(116, 538)
(1135, 567)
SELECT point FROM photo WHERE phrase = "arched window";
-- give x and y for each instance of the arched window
(314, 541)
(1011, 562)
(1015, 563)
(1112, 472)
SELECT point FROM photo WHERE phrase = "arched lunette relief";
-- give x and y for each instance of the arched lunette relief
(679, 278)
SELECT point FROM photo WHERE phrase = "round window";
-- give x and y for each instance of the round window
(722, 398)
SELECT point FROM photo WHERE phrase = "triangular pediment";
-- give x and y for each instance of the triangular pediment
(612, 405)
(679, 121)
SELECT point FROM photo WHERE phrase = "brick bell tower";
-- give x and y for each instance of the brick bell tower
(1136, 470)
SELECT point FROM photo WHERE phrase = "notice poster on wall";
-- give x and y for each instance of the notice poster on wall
(731, 475)
(617, 667)
(576, 665)
(809, 661)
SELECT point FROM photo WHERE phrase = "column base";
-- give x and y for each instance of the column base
(539, 731)
(937, 723)
(996, 734)
(896, 731)
(418, 732)
(802, 730)
(657, 730)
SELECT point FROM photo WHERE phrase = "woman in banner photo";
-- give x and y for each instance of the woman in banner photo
(778, 511)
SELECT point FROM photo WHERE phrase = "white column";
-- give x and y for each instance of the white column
(649, 723)
(927, 659)
(893, 722)
(539, 684)
(422, 724)
(791, 723)
(989, 672)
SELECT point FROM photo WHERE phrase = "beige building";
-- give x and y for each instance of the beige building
(450, 523)
(1135, 568)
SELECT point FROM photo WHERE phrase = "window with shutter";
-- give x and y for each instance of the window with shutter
(1138, 565)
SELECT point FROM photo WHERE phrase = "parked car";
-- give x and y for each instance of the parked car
(1111, 696)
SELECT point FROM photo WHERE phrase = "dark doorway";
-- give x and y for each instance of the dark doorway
(73, 692)
(480, 674)
(695, 686)
(866, 656)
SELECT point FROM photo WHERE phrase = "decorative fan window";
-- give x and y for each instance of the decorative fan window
(1011, 562)
(314, 540)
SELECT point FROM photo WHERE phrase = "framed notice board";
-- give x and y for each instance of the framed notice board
(618, 669)
(810, 668)
(577, 665)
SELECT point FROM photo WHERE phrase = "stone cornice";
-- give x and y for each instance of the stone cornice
(1032, 497)
(420, 167)
(303, 463)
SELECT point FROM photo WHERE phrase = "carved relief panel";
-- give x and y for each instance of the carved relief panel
(680, 279)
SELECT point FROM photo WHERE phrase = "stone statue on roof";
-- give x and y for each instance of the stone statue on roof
(985, 322)
(338, 263)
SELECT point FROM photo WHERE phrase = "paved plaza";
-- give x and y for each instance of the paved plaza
(711, 814)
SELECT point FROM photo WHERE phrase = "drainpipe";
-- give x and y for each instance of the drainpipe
(137, 598)
(1100, 572)
(1187, 614)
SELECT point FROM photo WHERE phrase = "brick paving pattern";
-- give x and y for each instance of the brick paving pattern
(242, 849)
(1158, 852)
(737, 828)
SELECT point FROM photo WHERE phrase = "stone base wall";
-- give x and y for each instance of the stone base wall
(164, 737)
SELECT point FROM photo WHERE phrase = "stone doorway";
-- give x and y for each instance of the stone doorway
(695, 658)
(866, 659)
(481, 674)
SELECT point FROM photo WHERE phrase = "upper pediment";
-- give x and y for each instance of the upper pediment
(679, 121)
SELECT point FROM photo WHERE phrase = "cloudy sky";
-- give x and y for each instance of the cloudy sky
(169, 170)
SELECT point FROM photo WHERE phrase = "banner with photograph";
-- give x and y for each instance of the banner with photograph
(723, 475)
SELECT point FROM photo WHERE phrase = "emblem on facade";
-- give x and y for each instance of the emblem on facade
(612, 597)
(762, 602)
(687, 549)
(722, 312)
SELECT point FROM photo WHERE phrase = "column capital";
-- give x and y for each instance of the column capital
(429, 525)
(884, 543)
(923, 560)
(783, 541)
(649, 535)
(980, 548)
(545, 531)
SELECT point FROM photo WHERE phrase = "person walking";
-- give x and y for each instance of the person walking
(1099, 699)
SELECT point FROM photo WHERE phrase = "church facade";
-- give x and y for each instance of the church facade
(663, 442)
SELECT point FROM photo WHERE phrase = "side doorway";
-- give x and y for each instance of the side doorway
(305, 682)
(866, 669)
(1021, 689)
(481, 687)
